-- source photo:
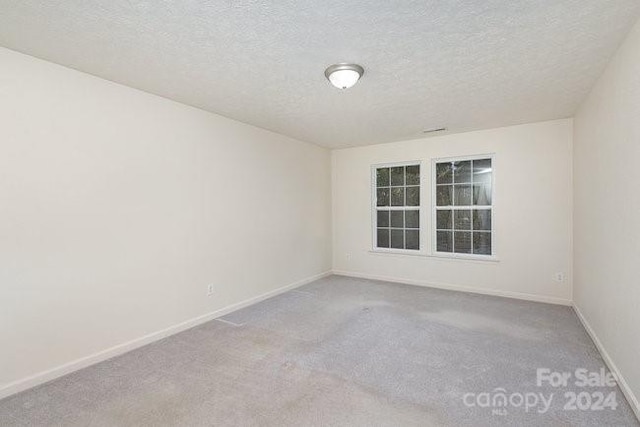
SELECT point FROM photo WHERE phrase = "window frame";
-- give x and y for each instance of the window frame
(433, 247)
(374, 209)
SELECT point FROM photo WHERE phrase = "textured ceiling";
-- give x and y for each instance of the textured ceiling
(463, 64)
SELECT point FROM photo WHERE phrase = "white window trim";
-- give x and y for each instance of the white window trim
(433, 253)
(374, 209)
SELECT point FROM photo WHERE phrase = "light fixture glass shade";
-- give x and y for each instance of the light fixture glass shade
(344, 79)
(344, 76)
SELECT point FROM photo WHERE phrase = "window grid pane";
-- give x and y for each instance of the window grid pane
(412, 219)
(382, 238)
(397, 213)
(382, 177)
(397, 239)
(397, 196)
(382, 197)
(444, 241)
(397, 176)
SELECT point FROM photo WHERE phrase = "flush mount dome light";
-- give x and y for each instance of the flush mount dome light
(343, 76)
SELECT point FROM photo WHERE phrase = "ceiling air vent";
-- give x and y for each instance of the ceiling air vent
(434, 130)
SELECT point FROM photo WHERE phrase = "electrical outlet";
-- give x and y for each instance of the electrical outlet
(559, 277)
(209, 290)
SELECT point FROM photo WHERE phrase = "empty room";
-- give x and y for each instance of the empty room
(319, 213)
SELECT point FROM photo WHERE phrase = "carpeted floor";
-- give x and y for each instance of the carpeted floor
(342, 352)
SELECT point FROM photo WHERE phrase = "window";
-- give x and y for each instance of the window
(463, 206)
(397, 207)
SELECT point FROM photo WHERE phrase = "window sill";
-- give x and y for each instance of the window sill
(396, 252)
(442, 256)
(464, 257)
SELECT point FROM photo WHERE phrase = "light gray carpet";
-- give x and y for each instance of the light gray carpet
(339, 352)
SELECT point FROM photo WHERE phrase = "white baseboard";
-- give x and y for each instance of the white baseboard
(59, 371)
(451, 287)
(624, 386)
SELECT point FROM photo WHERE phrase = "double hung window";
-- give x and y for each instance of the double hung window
(397, 207)
(463, 208)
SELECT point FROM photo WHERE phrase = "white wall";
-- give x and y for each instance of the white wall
(117, 208)
(607, 211)
(532, 212)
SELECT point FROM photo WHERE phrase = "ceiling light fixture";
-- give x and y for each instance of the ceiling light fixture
(343, 76)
